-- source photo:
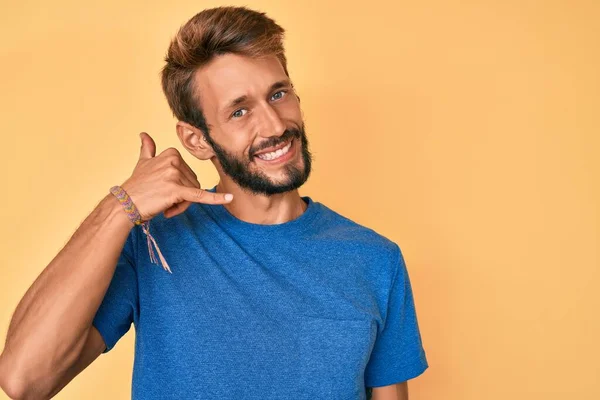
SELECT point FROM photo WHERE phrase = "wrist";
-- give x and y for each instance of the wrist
(127, 204)
(117, 212)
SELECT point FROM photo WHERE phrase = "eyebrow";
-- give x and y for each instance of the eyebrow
(238, 100)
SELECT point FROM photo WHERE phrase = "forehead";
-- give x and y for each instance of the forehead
(229, 76)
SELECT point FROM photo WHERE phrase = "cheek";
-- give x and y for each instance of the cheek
(290, 113)
(240, 142)
(294, 104)
(231, 140)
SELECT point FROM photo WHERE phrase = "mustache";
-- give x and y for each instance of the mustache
(275, 141)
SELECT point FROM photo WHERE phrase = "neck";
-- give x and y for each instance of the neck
(262, 209)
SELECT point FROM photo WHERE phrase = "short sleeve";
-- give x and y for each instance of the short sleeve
(120, 303)
(398, 353)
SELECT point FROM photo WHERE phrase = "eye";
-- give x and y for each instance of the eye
(276, 97)
(238, 113)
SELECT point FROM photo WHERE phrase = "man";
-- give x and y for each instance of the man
(270, 295)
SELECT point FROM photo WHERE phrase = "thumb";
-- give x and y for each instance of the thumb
(148, 149)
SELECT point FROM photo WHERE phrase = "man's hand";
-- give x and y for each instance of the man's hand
(165, 183)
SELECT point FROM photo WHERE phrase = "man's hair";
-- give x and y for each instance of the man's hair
(210, 33)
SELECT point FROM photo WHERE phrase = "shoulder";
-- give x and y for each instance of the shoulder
(362, 237)
(378, 257)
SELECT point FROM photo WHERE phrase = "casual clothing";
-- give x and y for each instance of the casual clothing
(319, 307)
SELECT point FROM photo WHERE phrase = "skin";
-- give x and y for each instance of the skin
(398, 391)
(271, 116)
(262, 119)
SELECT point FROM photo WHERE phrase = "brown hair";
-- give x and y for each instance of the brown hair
(209, 33)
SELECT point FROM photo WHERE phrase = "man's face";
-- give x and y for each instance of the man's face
(255, 123)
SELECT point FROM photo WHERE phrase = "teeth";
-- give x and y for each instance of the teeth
(275, 154)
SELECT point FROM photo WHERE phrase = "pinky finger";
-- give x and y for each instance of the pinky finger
(176, 209)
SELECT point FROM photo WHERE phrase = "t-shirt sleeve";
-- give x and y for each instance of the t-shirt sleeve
(116, 312)
(398, 353)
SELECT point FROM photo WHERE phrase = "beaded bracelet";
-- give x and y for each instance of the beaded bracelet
(135, 217)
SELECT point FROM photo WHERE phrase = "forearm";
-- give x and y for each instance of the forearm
(398, 391)
(50, 323)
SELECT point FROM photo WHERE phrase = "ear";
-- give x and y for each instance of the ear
(193, 140)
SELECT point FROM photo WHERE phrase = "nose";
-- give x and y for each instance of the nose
(271, 123)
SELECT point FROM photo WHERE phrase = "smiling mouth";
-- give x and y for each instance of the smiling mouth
(274, 155)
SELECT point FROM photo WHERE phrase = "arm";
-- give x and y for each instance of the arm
(50, 338)
(94, 346)
(399, 391)
(398, 353)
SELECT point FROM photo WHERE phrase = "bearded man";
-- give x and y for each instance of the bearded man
(262, 294)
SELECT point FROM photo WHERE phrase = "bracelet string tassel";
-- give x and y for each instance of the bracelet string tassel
(150, 239)
(135, 217)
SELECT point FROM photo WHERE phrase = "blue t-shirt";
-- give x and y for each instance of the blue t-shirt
(319, 307)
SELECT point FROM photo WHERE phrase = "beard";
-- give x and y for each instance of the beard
(257, 182)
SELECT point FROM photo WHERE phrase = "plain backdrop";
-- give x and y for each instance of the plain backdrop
(465, 131)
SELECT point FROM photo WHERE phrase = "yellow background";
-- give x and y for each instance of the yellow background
(466, 131)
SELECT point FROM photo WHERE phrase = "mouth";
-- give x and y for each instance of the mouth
(281, 155)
